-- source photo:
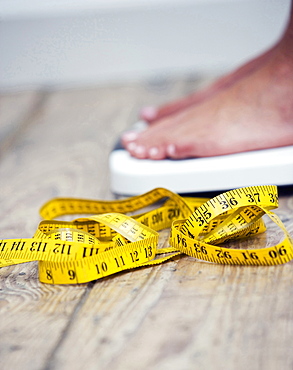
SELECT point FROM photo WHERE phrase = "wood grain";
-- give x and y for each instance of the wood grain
(183, 314)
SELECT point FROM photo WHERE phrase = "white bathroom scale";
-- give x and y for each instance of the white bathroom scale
(131, 176)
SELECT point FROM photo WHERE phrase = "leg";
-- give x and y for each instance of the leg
(255, 111)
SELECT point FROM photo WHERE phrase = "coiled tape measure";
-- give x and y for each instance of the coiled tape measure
(110, 241)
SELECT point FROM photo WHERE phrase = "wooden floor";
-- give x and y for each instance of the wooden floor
(179, 315)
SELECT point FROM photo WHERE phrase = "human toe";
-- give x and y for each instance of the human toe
(137, 151)
(149, 114)
(129, 137)
(157, 152)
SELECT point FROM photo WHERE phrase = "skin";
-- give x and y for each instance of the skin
(249, 109)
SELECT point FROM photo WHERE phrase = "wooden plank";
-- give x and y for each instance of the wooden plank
(187, 314)
(182, 314)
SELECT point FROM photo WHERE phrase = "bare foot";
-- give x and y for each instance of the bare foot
(254, 112)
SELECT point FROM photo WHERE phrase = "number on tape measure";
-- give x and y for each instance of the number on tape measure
(109, 240)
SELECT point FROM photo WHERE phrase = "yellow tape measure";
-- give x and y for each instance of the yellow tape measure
(110, 240)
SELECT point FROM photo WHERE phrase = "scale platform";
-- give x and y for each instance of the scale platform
(130, 176)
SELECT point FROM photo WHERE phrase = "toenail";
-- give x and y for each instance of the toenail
(130, 136)
(153, 151)
(140, 150)
(131, 147)
(171, 150)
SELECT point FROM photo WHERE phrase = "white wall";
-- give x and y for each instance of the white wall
(65, 43)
